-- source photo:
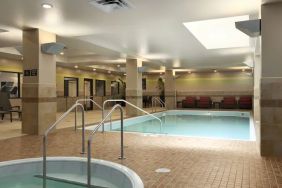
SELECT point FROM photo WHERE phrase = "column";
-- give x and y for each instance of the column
(39, 83)
(170, 99)
(256, 101)
(133, 86)
(271, 80)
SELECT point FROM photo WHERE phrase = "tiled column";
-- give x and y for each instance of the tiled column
(170, 90)
(256, 103)
(271, 80)
(39, 90)
(133, 86)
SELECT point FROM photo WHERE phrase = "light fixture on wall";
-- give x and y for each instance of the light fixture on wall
(124, 74)
(94, 70)
(243, 70)
(118, 66)
(189, 72)
(109, 72)
(47, 6)
(62, 53)
(214, 70)
(75, 66)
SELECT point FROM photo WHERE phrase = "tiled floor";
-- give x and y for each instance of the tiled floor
(193, 162)
(13, 129)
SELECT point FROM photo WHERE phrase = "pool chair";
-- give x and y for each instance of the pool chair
(229, 102)
(189, 102)
(245, 102)
(204, 102)
(6, 107)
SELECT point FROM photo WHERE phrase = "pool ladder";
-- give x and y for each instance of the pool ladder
(90, 138)
(45, 137)
(156, 100)
(130, 104)
(83, 100)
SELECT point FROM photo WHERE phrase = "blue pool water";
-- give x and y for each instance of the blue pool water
(222, 125)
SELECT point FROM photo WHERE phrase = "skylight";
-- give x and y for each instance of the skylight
(219, 33)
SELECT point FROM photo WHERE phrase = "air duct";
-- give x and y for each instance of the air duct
(251, 28)
(52, 48)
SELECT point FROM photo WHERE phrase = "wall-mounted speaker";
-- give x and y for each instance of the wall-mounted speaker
(52, 48)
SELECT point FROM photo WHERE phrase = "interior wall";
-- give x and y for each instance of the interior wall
(151, 84)
(211, 84)
(61, 72)
(81, 74)
(11, 65)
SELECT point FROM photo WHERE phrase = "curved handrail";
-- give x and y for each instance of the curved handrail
(91, 137)
(45, 136)
(134, 106)
(157, 99)
(91, 100)
(83, 100)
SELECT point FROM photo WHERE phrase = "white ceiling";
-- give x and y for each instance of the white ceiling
(152, 30)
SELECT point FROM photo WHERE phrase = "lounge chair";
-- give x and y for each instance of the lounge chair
(245, 102)
(189, 102)
(6, 107)
(229, 102)
(204, 102)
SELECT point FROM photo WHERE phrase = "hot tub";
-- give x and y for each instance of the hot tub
(66, 172)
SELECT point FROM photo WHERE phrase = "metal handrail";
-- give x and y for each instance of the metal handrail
(52, 127)
(91, 137)
(122, 100)
(157, 99)
(83, 100)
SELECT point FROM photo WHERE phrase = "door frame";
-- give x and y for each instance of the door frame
(91, 92)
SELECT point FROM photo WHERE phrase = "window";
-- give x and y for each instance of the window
(100, 87)
(10, 82)
(70, 87)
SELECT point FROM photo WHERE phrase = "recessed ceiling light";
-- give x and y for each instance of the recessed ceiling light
(47, 5)
(76, 66)
(219, 33)
(94, 69)
(62, 53)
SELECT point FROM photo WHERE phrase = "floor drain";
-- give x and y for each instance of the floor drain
(162, 170)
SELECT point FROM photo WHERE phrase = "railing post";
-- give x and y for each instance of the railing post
(75, 119)
(121, 134)
(83, 131)
(44, 160)
(103, 115)
(89, 163)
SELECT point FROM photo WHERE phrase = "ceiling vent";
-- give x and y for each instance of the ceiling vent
(110, 5)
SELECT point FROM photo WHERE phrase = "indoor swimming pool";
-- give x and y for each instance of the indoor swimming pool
(207, 124)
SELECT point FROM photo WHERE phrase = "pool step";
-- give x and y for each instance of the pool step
(68, 181)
